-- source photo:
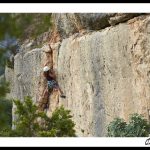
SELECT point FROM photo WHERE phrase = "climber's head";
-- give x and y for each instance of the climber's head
(46, 68)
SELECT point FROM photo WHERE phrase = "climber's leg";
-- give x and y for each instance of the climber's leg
(60, 91)
(54, 85)
(45, 99)
(45, 94)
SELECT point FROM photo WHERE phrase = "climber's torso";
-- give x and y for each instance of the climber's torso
(50, 77)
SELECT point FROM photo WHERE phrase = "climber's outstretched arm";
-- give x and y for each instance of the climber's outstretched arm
(52, 74)
(47, 63)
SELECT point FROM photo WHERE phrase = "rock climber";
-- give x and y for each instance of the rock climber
(52, 84)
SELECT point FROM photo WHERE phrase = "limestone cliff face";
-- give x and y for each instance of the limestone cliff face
(104, 70)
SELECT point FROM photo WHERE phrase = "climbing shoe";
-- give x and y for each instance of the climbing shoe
(62, 96)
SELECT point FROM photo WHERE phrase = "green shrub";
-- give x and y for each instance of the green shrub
(62, 123)
(51, 133)
(117, 128)
(5, 113)
(4, 88)
(28, 124)
(6, 132)
(5, 109)
(137, 127)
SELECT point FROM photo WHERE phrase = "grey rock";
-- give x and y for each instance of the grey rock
(69, 23)
(122, 17)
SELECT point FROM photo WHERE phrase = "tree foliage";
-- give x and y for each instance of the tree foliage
(137, 127)
(60, 124)
(26, 124)
(32, 123)
(5, 109)
(23, 25)
(5, 114)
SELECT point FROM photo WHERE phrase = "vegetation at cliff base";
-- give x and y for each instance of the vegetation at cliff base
(138, 126)
(32, 123)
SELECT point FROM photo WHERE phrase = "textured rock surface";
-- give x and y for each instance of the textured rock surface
(68, 24)
(121, 17)
(9, 75)
(104, 74)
